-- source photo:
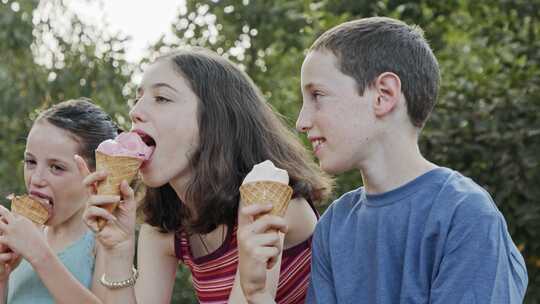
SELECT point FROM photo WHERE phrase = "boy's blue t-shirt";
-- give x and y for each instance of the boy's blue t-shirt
(438, 239)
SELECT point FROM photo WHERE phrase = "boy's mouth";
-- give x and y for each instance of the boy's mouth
(317, 143)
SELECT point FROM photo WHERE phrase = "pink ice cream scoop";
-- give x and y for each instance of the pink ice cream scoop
(127, 144)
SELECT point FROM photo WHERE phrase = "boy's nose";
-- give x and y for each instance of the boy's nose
(303, 123)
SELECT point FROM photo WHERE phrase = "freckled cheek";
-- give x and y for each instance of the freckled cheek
(76, 197)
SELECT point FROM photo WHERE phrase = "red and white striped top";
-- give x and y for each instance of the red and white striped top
(213, 274)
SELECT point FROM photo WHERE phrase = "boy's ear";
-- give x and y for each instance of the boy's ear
(388, 90)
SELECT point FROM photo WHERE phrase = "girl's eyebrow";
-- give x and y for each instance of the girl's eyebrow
(50, 160)
(162, 84)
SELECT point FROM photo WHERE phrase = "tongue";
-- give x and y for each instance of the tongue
(45, 203)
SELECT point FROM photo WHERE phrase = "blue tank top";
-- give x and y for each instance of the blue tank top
(25, 286)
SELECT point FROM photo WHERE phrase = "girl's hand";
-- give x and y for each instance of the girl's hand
(260, 245)
(9, 260)
(118, 234)
(20, 235)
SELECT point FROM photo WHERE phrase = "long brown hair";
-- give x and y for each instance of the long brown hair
(237, 129)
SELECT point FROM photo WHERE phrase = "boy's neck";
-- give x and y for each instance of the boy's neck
(393, 166)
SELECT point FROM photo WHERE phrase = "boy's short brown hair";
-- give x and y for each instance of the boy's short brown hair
(368, 47)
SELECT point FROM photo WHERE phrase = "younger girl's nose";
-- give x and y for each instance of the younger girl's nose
(37, 178)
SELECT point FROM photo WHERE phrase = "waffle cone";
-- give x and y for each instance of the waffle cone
(30, 208)
(276, 193)
(119, 168)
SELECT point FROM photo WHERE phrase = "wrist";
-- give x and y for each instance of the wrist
(119, 263)
(260, 298)
(40, 257)
(123, 250)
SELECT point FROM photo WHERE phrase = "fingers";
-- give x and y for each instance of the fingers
(100, 200)
(93, 213)
(81, 165)
(92, 179)
(5, 214)
(127, 192)
(265, 254)
(248, 213)
(261, 240)
(269, 222)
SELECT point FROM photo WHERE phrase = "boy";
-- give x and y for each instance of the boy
(415, 232)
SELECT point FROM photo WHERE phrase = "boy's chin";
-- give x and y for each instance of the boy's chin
(333, 168)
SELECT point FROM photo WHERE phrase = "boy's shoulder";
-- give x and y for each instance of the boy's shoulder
(342, 206)
(461, 204)
(460, 192)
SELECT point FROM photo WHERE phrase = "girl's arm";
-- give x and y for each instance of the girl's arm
(157, 265)
(63, 287)
(115, 241)
(24, 237)
(260, 251)
(9, 260)
(156, 260)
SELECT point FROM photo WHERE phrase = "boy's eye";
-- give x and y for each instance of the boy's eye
(316, 95)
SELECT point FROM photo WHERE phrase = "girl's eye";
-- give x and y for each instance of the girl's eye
(29, 163)
(55, 169)
(161, 99)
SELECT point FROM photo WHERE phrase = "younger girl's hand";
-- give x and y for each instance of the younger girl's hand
(9, 260)
(119, 230)
(21, 235)
(260, 244)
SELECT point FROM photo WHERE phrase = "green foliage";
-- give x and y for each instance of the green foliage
(485, 124)
(76, 61)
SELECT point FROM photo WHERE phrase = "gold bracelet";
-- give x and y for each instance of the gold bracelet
(120, 284)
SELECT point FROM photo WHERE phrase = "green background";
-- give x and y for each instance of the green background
(486, 123)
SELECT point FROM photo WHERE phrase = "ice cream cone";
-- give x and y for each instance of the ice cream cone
(30, 208)
(278, 194)
(119, 168)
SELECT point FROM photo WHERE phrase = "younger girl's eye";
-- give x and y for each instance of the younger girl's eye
(29, 163)
(55, 169)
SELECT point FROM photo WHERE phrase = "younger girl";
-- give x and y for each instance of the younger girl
(60, 263)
